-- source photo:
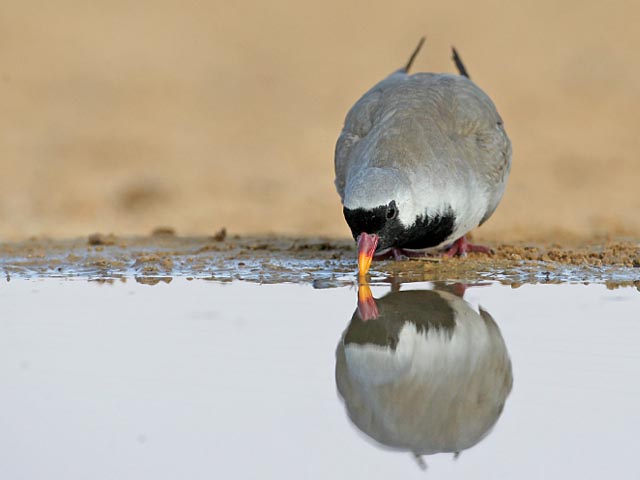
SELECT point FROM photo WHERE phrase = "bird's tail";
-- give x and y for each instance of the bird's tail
(414, 55)
(459, 65)
(456, 59)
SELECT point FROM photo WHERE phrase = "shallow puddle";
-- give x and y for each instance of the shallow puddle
(326, 262)
(196, 379)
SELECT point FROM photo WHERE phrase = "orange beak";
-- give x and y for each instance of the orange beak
(367, 308)
(366, 248)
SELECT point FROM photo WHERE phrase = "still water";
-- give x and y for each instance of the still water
(200, 380)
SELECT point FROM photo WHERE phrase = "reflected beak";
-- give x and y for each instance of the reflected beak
(367, 308)
(366, 248)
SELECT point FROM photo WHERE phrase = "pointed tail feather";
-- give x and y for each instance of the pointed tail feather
(459, 65)
(414, 55)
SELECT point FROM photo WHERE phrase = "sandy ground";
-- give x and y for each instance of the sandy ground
(324, 262)
(121, 116)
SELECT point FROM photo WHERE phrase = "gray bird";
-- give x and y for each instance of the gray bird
(422, 159)
(429, 374)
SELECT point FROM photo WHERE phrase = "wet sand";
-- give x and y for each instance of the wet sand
(325, 262)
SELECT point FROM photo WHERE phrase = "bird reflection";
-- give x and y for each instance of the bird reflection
(422, 371)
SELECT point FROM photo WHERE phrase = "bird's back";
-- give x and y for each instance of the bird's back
(440, 130)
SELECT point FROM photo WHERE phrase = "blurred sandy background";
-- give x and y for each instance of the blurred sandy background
(122, 116)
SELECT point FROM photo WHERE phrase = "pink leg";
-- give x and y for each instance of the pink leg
(459, 289)
(397, 254)
(461, 247)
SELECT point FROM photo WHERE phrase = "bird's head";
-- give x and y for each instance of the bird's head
(378, 210)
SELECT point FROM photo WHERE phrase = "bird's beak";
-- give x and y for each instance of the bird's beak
(366, 247)
(367, 308)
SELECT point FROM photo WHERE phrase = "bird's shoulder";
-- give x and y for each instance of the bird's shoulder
(463, 118)
(360, 119)
(431, 110)
(452, 103)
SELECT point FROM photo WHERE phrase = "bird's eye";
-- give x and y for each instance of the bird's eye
(392, 211)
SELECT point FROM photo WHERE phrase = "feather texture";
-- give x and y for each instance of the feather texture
(430, 142)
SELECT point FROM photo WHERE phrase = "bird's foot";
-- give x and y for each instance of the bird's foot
(461, 247)
(459, 289)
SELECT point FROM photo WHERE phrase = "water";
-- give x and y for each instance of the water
(196, 379)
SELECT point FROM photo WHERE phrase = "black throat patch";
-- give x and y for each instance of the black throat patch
(426, 309)
(368, 221)
(427, 231)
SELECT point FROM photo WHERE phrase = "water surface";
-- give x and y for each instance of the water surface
(196, 379)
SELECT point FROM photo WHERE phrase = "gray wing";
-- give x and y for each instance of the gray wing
(476, 134)
(464, 122)
(359, 122)
(498, 148)
(361, 118)
(446, 122)
(485, 144)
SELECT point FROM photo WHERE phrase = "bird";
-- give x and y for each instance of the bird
(431, 374)
(421, 160)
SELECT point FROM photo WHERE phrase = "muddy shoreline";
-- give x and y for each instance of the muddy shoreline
(324, 261)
